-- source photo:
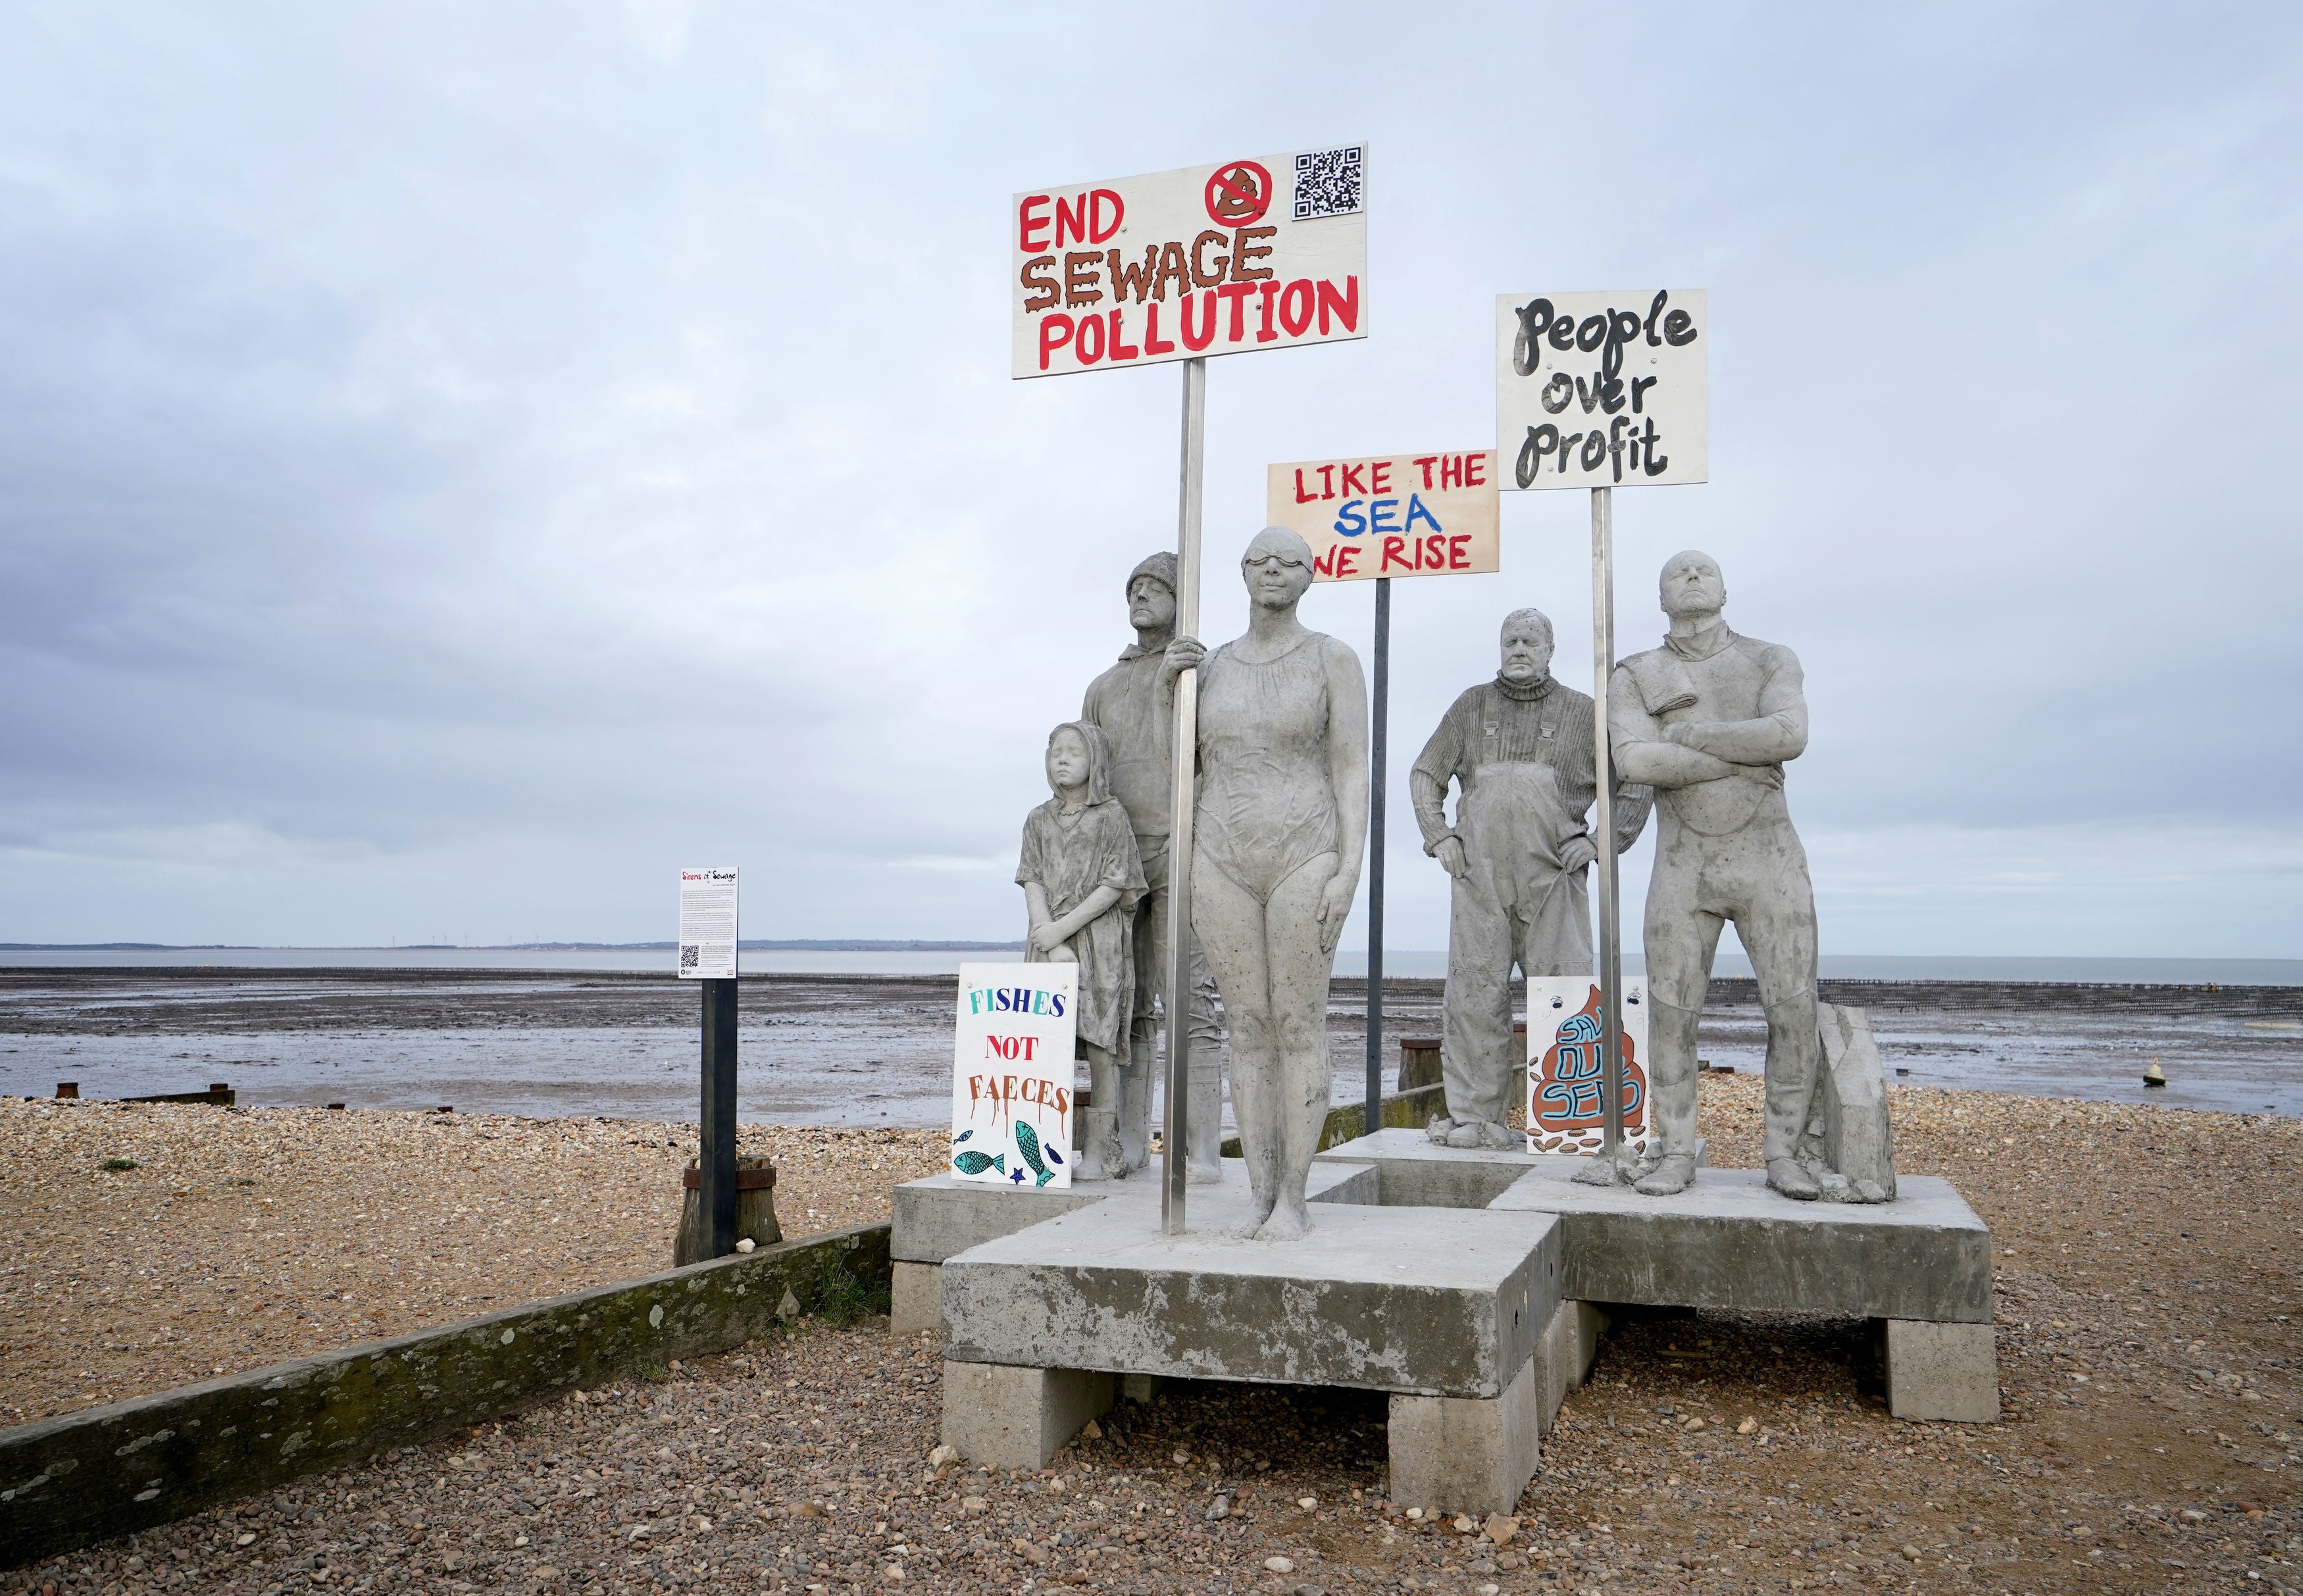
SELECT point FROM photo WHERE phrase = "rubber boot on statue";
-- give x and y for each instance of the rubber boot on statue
(1135, 1105)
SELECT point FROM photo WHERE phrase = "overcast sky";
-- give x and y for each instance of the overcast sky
(459, 464)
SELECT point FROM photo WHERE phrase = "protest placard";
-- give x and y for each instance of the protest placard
(1014, 1037)
(1430, 514)
(1261, 253)
(1602, 389)
(1565, 1111)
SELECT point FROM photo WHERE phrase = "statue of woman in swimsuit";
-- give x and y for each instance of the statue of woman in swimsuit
(1279, 828)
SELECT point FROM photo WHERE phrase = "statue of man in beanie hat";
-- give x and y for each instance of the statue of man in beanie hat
(1134, 704)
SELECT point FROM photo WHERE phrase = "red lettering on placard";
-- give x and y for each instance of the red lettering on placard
(1393, 548)
(1379, 477)
(1347, 305)
(1345, 554)
(1353, 482)
(1027, 225)
(1207, 329)
(1328, 481)
(1301, 496)
(1474, 466)
(1081, 340)
(1264, 331)
(1055, 332)
(1121, 351)
(1237, 293)
(1071, 222)
(1425, 462)
(1459, 558)
(1153, 344)
(1324, 564)
(1451, 472)
(1297, 318)
(1100, 230)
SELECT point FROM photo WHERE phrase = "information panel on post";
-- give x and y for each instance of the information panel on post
(1264, 252)
(707, 925)
(1602, 389)
(1433, 513)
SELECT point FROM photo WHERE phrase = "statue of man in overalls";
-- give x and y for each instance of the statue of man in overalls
(1520, 748)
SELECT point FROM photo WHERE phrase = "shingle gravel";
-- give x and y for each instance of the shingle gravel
(2151, 1252)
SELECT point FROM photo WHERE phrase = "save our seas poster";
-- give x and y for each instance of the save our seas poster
(1565, 1111)
(1011, 1084)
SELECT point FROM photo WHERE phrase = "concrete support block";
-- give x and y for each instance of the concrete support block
(1140, 1388)
(916, 1298)
(1468, 1454)
(1941, 1371)
(1589, 1323)
(1011, 1417)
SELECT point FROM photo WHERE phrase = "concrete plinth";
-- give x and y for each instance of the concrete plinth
(916, 1298)
(1948, 1372)
(1414, 1171)
(937, 1216)
(1468, 1454)
(1728, 1241)
(1011, 1417)
(1434, 1302)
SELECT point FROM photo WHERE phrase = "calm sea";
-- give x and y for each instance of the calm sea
(1399, 962)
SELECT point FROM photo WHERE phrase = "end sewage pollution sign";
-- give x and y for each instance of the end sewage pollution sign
(1261, 252)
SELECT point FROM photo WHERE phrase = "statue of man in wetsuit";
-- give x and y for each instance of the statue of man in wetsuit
(1133, 703)
(1520, 748)
(1708, 720)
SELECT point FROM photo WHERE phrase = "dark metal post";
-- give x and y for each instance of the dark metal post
(715, 1162)
(1377, 744)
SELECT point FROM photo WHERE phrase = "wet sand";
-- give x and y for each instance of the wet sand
(875, 1050)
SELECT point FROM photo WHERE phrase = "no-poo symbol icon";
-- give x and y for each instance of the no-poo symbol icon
(1238, 193)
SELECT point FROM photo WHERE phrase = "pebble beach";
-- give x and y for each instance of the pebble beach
(2147, 1277)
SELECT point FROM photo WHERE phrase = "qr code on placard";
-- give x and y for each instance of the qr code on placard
(691, 956)
(1328, 182)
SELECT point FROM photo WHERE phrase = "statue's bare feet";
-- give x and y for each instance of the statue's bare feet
(1786, 1176)
(1259, 1211)
(1669, 1177)
(1289, 1223)
(1202, 1174)
(1437, 1130)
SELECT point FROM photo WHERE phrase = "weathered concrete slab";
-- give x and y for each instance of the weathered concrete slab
(1467, 1455)
(1941, 1371)
(1728, 1241)
(1416, 1173)
(1435, 1302)
(938, 1215)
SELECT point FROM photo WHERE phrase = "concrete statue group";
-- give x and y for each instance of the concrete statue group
(1699, 730)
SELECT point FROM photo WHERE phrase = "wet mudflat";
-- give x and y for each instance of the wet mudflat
(876, 1050)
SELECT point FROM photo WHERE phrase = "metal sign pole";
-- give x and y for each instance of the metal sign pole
(1373, 1120)
(1611, 953)
(1185, 757)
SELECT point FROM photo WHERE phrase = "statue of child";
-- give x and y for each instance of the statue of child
(1081, 878)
